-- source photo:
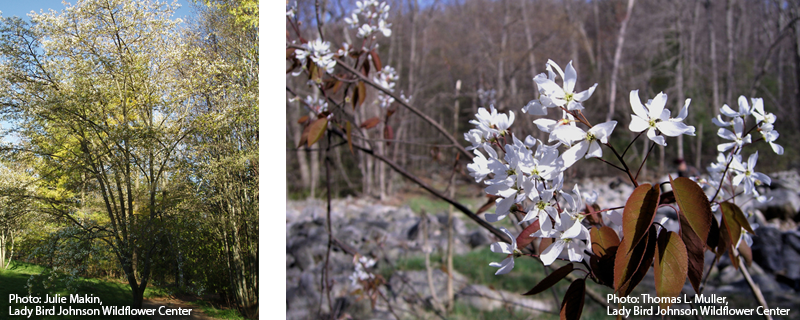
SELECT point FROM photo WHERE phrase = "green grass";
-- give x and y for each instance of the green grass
(15, 279)
(212, 311)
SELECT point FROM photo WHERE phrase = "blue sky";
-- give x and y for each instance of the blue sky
(22, 8)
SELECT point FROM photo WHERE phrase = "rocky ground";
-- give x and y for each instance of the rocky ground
(389, 233)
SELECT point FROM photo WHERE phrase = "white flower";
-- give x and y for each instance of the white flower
(587, 141)
(510, 249)
(365, 31)
(748, 174)
(770, 135)
(493, 123)
(744, 109)
(760, 114)
(654, 117)
(736, 136)
(479, 168)
(319, 52)
(564, 96)
(383, 27)
(746, 236)
(570, 235)
(537, 107)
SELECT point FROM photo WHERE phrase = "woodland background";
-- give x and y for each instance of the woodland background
(709, 51)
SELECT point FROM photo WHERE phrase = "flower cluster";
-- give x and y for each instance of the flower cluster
(320, 54)
(361, 273)
(386, 78)
(527, 174)
(730, 167)
(374, 15)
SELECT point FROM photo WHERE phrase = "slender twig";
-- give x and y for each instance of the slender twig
(724, 173)
(624, 164)
(705, 278)
(319, 21)
(632, 141)
(753, 287)
(644, 160)
(328, 213)
(611, 164)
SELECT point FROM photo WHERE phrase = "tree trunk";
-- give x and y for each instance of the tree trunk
(529, 39)
(617, 57)
(713, 54)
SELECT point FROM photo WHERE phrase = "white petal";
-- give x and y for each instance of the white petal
(726, 134)
(744, 107)
(637, 106)
(638, 124)
(552, 252)
(505, 266)
(726, 110)
(585, 94)
(752, 160)
(718, 121)
(570, 77)
(546, 125)
(738, 179)
(575, 250)
(594, 151)
(725, 146)
(491, 217)
(502, 247)
(657, 105)
(778, 149)
(573, 154)
(684, 111)
(534, 107)
(765, 179)
(568, 134)
(603, 130)
(651, 133)
(674, 128)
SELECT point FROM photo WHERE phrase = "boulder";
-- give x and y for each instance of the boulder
(791, 254)
(767, 249)
(784, 205)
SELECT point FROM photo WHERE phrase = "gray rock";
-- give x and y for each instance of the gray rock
(767, 249)
(478, 238)
(791, 255)
(785, 204)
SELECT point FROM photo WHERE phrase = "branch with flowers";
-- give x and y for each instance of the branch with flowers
(614, 247)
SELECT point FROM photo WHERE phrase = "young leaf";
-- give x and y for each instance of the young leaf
(302, 120)
(572, 306)
(348, 129)
(359, 95)
(316, 130)
(630, 269)
(524, 238)
(713, 236)
(746, 253)
(376, 60)
(693, 204)
(603, 238)
(637, 217)
(671, 266)
(388, 134)
(603, 267)
(370, 123)
(695, 251)
(290, 53)
(730, 213)
(550, 280)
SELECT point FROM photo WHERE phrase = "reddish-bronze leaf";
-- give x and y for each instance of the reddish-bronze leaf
(370, 123)
(366, 69)
(603, 267)
(302, 119)
(630, 269)
(572, 306)
(746, 253)
(730, 213)
(289, 53)
(667, 197)
(694, 204)
(602, 239)
(388, 134)
(695, 251)
(671, 266)
(337, 86)
(348, 129)
(316, 129)
(376, 60)
(550, 279)
(489, 203)
(359, 95)
(713, 236)
(637, 217)
(524, 238)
